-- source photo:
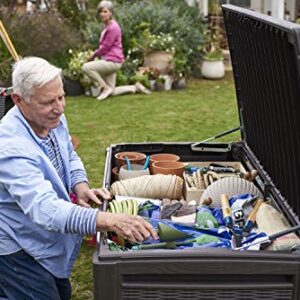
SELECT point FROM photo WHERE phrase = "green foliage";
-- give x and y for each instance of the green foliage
(179, 66)
(161, 79)
(213, 55)
(152, 18)
(5, 66)
(92, 30)
(45, 35)
(74, 68)
(130, 66)
(143, 79)
(121, 78)
(70, 10)
(151, 73)
(147, 42)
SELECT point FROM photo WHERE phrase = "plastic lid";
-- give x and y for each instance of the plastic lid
(265, 54)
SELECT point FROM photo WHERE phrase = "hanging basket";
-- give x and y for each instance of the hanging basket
(160, 60)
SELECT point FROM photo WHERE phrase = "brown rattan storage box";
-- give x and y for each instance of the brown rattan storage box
(265, 54)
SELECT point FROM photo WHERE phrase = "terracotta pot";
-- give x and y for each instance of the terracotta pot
(168, 167)
(134, 157)
(115, 174)
(160, 60)
(162, 157)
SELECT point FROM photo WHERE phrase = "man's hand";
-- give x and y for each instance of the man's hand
(85, 194)
(133, 228)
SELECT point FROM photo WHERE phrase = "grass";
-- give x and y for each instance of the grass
(204, 109)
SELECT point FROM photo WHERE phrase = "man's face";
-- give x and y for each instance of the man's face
(45, 107)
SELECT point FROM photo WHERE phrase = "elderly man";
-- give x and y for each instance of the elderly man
(40, 228)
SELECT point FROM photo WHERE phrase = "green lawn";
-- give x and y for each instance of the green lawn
(204, 109)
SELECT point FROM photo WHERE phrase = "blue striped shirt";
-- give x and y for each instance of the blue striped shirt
(36, 213)
(80, 220)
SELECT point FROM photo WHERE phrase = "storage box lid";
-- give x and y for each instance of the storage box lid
(265, 54)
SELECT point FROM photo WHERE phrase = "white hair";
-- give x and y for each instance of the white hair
(30, 73)
(105, 4)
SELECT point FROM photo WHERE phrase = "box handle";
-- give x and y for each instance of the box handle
(100, 236)
(220, 147)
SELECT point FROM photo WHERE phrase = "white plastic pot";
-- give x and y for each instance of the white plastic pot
(213, 69)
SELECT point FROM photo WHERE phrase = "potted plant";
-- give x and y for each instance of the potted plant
(160, 83)
(158, 49)
(142, 78)
(179, 71)
(212, 64)
(152, 74)
(74, 79)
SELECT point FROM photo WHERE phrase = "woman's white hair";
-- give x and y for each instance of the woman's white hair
(105, 4)
(30, 73)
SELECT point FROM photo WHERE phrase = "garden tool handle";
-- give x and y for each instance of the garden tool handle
(8, 43)
(226, 210)
(270, 238)
(252, 216)
(253, 174)
(225, 206)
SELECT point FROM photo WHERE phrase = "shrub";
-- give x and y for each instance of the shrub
(213, 55)
(179, 66)
(143, 79)
(74, 68)
(70, 10)
(121, 78)
(92, 30)
(168, 17)
(163, 17)
(5, 70)
(46, 35)
(148, 42)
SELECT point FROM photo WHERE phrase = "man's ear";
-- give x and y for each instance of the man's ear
(16, 98)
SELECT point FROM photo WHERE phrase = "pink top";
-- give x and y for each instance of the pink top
(110, 44)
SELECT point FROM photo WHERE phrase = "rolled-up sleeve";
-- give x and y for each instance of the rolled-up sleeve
(33, 193)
